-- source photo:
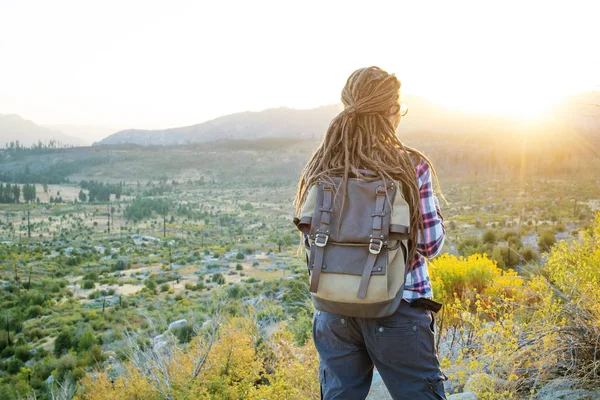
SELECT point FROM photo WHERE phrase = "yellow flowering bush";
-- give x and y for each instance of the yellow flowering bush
(516, 334)
(234, 366)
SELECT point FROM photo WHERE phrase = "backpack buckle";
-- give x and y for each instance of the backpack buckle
(323, 237)
(375, 246)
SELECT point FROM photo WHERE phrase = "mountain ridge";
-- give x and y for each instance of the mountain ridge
(423, 116)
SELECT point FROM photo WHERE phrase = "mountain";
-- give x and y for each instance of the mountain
(276, 122)
(574, 114)
(14, 128)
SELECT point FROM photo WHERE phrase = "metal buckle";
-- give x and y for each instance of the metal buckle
(377, 250)
(323, 236)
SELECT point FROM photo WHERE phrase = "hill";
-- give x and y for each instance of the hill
(277, 122)
(15, 128)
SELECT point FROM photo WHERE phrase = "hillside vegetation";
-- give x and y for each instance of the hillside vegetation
(173, 272)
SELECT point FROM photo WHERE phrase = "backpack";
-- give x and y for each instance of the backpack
(357, 257)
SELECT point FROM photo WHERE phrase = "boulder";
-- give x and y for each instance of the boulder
(565, 389)
(177, 324)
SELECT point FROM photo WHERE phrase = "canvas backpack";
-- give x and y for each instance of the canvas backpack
(357, 257)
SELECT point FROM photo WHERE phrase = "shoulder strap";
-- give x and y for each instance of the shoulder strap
(321, 236)
(375, 243)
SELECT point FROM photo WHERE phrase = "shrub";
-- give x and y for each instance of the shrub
(86, 341)
(14, 366)
(546, 240)
(150, 284)
(88, 284)
(22, 353)
(184, 333)
(505, 257)
(529, 255)
(469, 245)
(489, 236)
(34, 311)
(218, 278)
(63, 343)
(120, 265)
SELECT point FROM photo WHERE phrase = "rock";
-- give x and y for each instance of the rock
(462, 396)
(378, 390)
(177, 324)
(158, 342)
(114, 367)
(564, 389)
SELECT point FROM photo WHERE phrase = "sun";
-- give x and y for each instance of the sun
(523, 101)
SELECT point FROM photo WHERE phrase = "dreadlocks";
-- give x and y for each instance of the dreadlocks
(363, 137)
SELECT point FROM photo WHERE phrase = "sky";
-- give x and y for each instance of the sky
(159, 64)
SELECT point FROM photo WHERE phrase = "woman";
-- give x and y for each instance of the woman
(363, 137)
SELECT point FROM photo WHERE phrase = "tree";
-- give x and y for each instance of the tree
(82, 196)
(16, 193)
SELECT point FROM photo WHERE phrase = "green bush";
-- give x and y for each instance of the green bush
(120, 265)
(184, 333)
(489, 236)
(22, 353)
(63, 343)
(469, 245)
(546, 240)
(88, 284)
(86, 341)
(218, 278)
(529, 255)
(14, 366)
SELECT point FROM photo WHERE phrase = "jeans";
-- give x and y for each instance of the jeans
(401, 347)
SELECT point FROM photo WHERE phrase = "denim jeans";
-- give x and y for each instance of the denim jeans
(401, 347)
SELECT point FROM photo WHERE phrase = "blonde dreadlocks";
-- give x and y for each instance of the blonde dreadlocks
(363, 137)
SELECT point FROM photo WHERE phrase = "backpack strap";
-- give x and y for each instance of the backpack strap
(321, 237)
(375, 244)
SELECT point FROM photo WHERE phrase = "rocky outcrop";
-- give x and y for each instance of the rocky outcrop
(565, 389)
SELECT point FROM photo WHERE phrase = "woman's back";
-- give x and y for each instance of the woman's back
(401, 345)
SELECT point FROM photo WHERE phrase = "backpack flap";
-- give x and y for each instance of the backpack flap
(352, 241)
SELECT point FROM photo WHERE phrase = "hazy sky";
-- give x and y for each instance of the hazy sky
(155, 64)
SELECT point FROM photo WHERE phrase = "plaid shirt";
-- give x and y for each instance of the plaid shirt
(430, 240)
